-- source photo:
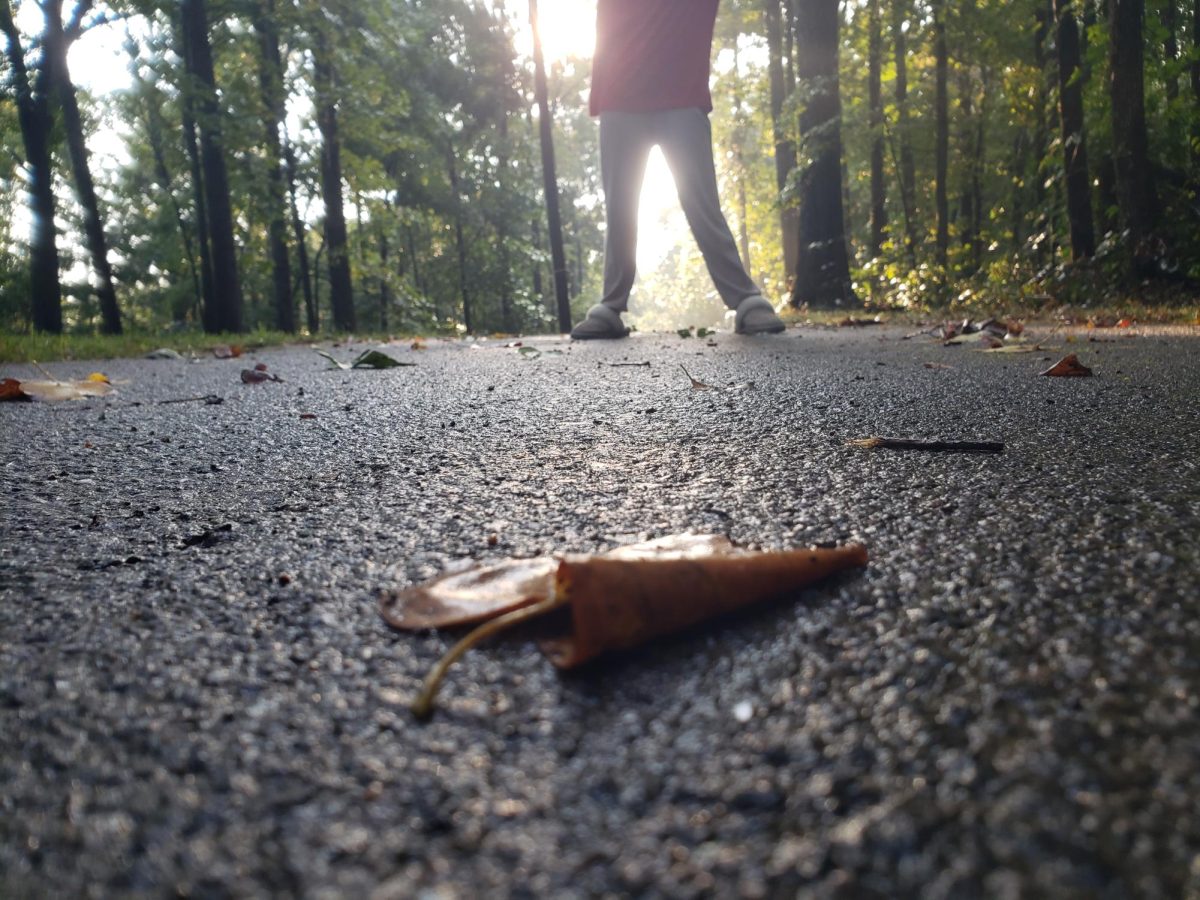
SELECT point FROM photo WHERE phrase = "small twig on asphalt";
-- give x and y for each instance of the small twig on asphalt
(645, 364)
(207, 399)
(697, 385)
(941, 446)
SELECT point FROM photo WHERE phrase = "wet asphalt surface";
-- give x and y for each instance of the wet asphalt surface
(198, 697)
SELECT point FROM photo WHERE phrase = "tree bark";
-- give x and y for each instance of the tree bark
(341, 291)
(875, 119)
(1075, 161)
(823, 266)
(1136, 191)
(1194, 73)
(785, 147)
(906, 169)
(1044, 239)
(942, 134)
(739, 159)
(225, 312)
(312, 316)
(270, 81)
(192, 146)
(85, 187)
(460, 242)
(34, 116)
(558, 255)
(1170, 21)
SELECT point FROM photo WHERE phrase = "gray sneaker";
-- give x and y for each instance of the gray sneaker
(601, 323)
(755, 315)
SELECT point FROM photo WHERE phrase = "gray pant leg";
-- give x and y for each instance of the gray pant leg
(685, 136)
(625, 142)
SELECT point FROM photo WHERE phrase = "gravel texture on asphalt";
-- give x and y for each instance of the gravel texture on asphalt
(199, 698)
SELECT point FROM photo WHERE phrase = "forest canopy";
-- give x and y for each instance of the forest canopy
(382, 165)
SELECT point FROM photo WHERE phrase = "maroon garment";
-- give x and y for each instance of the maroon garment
(652, 55)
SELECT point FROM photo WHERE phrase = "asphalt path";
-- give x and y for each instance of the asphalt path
(199, 698)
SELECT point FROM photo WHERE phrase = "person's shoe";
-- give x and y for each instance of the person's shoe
(601, 323)
(755, 315)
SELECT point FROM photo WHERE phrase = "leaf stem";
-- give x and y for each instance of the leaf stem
(422, 706)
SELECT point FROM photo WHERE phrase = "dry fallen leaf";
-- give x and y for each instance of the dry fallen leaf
(258, 376)
(10, 391)
(95, 385)
(1068, 367)
(617, 604)
(615, 601)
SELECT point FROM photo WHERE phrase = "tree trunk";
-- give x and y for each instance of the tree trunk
(739, 158)
(225, 313)
(341, 291)
(311, 312)
(270, 81)
(192, 146)
(785, 147)
(1044, 239)
(1020, 154)
(33, 113)
(385, 289)
(1075, 162)
(942, 134)
(1194, 72)
(85, 186)
(823, 265)
(549, 175)
(966, 152)
(162, 175)
(875, 115)
(1170, 21)
(1135, 182)
(460, 242)
(907, 168)
(538, 287)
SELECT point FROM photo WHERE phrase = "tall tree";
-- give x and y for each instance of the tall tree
(225, 311)
(58, 39)
(785, 146)
(1135, 179)
(270, 79)
(341, 290)
(1070, 105)
(942, 133)
(823, 266)
(33, 111)
(906, 165)
(875, 124)
(549, 175)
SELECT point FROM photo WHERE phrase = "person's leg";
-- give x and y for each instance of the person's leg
(685, 136)
(625, 142)
(686, 139)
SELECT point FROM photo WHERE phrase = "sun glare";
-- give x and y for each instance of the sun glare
(568, 28)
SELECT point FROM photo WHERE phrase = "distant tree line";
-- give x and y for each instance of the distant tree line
(400, 165)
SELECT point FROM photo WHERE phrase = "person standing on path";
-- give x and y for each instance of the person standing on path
(650, 86)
